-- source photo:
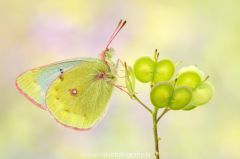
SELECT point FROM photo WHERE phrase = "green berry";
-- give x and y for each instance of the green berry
(200, 73)
(202, 94)
(189, 78)
(144, 69)
(189, 107)
(160, 94)
(181, 97)
(164, 70)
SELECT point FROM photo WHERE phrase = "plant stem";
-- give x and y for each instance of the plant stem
(154, 115)
(155, 121)
(134, 96)
(164, 112)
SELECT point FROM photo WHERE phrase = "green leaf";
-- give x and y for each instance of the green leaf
(130, 80)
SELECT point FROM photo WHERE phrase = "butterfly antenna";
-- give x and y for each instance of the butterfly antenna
(114, 35)
(115, 30)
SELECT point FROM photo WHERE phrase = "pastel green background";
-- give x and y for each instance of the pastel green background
(207, 33)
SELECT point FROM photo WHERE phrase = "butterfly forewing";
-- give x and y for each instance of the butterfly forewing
(34, 83)
(78, 99)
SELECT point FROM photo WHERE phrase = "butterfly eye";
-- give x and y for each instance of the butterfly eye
(108, 54)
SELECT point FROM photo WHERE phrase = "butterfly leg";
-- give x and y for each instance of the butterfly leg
(120, 62)
(119, 87)
(125, 87)
(114, 71)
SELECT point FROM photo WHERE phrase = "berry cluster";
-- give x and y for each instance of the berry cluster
(187, 90)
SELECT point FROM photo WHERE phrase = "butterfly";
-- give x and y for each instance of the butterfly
(76, 91)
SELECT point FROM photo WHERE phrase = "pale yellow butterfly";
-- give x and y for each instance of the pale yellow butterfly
(75, 92)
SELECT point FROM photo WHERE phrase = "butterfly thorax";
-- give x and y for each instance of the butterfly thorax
(109, 74)
(111, 65)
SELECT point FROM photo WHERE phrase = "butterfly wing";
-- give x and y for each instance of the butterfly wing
(33, 83)
(77, 98)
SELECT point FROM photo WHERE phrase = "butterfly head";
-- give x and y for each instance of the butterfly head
(109, 53)
(107, 57)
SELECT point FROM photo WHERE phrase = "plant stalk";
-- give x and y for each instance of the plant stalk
(164, 112)
(155, 121)
(134, 96)
(154, 115)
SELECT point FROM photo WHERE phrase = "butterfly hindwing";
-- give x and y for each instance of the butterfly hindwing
(77, 99)
(33, 84)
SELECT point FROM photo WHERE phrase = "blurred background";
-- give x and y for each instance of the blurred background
(38, 32)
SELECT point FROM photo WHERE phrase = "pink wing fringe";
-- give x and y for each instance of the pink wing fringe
(30, 99)
(74, 128)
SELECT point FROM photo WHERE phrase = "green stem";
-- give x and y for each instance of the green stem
(154, 115)
(134, 96)
(155, 121)
(205, 78)
(164, 112)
